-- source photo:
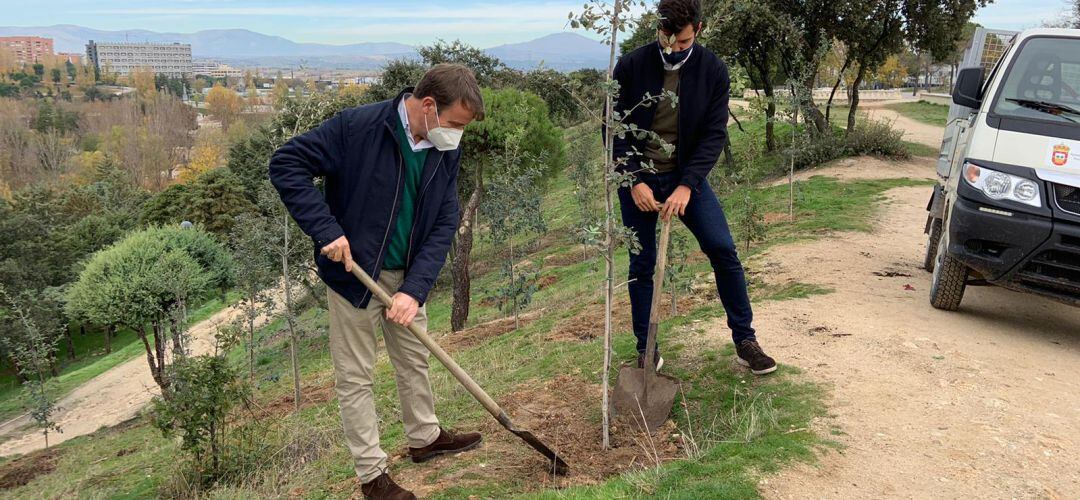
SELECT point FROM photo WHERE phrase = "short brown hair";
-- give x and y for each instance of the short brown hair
(676, 14)
(450, 83)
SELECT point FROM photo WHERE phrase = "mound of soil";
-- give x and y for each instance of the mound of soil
(24, 469)
(564, 413)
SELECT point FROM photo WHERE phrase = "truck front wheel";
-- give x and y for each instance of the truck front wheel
(949, 280)
(932, 245)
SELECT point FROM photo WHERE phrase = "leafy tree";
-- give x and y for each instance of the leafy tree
(514, 208)
(542, 148)
(255, 271)
(142, 282)
(280, 92)
(204, 391)
(214, 199)
(892, 72)
(644, 33)
(224, 104)
(397, 75)
(486, 67)
(608, 20)
(31, 347)
(249, 159)
(751, 33)
(145, 83)
(584, 154)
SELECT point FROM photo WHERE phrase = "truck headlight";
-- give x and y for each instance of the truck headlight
(1002, 186)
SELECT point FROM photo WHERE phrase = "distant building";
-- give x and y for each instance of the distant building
(215, 69)
(27, 49)
(71, 57)
(171, 59)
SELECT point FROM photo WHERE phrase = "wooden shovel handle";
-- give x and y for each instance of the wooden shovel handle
(470, 385)
(658, 287)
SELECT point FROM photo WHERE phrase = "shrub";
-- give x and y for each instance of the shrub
(875, 137)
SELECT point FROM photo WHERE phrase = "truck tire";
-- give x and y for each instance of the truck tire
(932, 246)
(949, 280)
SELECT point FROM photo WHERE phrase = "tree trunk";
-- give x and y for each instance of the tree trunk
(855, 98)
(839, 80)
(609, 231)
(108, 339)
(770, 117)
(812, 114)
(459, 265)
(70, 343)
(251, 335)
(293, 337)
(152, 358)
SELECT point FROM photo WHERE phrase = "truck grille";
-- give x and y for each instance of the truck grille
(1054, 271)
(1068, 198)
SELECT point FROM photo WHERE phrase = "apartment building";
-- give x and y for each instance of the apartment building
(172, 59)
(27, 49)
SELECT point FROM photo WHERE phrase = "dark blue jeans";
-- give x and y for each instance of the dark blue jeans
(705, 219)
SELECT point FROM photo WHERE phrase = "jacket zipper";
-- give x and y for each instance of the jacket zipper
(390, 223)
(408, 249)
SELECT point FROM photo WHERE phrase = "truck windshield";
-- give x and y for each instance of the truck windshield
(1043, 82)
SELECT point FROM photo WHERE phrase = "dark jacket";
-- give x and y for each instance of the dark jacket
(703, 108)
(357, 152)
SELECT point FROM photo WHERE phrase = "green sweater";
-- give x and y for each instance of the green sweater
(397, 252)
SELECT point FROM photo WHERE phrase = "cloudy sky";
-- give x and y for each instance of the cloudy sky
(479, 22)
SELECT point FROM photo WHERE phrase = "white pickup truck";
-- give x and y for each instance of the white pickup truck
(1006, 211)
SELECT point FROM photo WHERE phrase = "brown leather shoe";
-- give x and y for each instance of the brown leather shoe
(447, 442)
(383, 487)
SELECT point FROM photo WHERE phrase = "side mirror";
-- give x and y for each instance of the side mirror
(966, 91)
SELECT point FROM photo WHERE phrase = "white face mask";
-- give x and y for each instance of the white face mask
(443, 138)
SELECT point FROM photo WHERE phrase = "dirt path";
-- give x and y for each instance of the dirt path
(110, 398)
(915, 131)
(980, 403)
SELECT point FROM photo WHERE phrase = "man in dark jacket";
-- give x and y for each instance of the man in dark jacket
(390, 206)
(696, 125)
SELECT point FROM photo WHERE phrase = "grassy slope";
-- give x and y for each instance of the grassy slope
(136, 460)
(926, 112)
(92, 361)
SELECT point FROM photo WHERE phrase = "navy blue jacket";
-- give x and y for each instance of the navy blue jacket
(358, 153)
(703, 108)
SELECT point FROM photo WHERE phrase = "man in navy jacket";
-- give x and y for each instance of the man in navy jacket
(390, 206)
(696, 125)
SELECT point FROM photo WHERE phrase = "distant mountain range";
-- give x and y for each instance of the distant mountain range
(561, 51)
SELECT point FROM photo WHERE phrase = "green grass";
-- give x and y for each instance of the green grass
(763, 419)
(922, 111)
(92, 361)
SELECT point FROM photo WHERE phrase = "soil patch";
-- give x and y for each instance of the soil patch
(563, 413)
(312, 395)
(589, 322)
(470, 337)
(24, 469)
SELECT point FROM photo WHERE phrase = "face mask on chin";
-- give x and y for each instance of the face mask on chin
(443, 138)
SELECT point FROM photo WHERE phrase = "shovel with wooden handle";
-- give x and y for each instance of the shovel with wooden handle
(557, 464)
(640, 393)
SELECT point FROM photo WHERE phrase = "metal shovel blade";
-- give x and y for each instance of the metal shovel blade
(646, 400)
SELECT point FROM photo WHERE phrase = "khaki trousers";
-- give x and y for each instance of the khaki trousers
(353, 350)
